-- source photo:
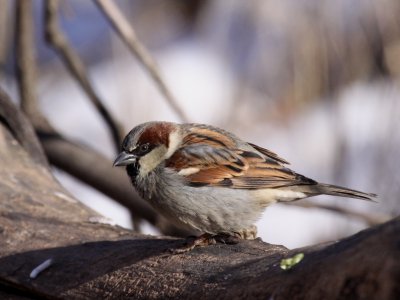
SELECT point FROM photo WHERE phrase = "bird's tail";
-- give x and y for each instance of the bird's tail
(334, 190)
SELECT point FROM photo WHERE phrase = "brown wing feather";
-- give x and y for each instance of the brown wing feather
(269, 154)
(205, 135)
(220, 162)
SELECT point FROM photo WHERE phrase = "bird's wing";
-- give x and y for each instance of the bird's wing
(269, 154)
(215, 160)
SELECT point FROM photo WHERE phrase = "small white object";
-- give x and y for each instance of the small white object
(102, 220)
(64, 197)
(40, 268)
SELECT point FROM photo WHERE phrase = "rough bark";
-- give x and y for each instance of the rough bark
(40, 220)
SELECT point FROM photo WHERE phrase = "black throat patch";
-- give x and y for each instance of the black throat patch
(133, 171)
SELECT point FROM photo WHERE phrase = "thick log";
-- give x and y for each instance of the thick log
(39, 220)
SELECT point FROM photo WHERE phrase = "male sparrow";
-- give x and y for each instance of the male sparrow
(205, 178)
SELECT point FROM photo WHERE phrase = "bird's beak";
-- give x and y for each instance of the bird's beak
(124, 159)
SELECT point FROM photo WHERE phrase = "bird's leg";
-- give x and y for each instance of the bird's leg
(247, 233)
(200, 241)
(209, 239)
(228, 239)
(244, 234)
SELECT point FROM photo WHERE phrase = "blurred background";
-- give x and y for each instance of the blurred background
(315, 81)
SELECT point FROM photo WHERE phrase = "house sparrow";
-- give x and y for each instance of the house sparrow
(205, 178)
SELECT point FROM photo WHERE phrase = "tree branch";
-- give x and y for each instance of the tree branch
(84, 164)
(22, 130)
(4, 34)
(369, 218)
(57, 40)
(128, 36)
(95, 170)
(41, 221)
(25, 64)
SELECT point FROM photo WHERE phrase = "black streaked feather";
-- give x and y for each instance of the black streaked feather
(198, 184)
(249, 154)
(233, 168)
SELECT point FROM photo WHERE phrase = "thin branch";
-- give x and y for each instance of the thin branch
(95, 170)
(90, 167)
(4, 34)
(22, 130)
(128, 36)
(26, 68)
(25, 63)
(58, 41)
(84, 164)
(26, 71)
(368, 218)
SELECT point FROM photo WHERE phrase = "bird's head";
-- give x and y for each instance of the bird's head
(147, 145)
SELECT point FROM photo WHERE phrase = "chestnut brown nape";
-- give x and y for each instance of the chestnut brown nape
(156, 134)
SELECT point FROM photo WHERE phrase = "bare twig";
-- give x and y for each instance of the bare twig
(369, 218)
(25, 59)
(3, 33)
(128, 36)
(84, 164)
(57, 40)
(95, 170)
(25, 64)
(26, 71)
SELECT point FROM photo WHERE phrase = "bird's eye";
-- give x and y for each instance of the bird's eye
(144, 148)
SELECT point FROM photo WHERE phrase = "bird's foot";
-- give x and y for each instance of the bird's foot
(207, 239)
(200, 241)
(228, 239)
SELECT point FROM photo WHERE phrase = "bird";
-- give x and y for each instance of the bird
(203, 178)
